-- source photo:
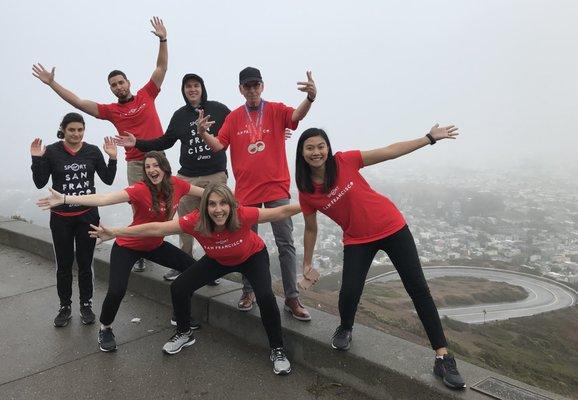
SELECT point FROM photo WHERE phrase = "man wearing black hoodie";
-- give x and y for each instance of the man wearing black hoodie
(200, 166)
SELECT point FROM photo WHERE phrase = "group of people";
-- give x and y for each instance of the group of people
(223, 223)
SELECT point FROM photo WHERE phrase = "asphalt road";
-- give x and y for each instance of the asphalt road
(40, 361)
(543, 296)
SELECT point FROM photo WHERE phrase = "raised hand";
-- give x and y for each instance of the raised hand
(125, 139)
(203, 123)
(42, 74)
(109, 147)
(444, 132)
(55, 199)
(36, 148)
(159, 28)
(308, 87)
(101, 233)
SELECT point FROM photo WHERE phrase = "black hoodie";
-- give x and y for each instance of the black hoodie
(197, 158)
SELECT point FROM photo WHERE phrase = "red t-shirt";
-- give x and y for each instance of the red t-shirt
(264, 175)
(362, 213)
(228, 248)
(141, 200)
(138, 116)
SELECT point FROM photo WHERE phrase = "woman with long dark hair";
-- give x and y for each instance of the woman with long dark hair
(223, 229)
(72, 163)
(154, 199)
(332, 185)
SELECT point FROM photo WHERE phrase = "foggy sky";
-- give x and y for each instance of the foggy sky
(505, 72)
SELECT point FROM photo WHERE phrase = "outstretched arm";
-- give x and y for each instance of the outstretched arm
(91, 200)
(150, 229)
(203, 124)
(278, 213)
(88, 106)
(311, 90)
(402, 148)
(160, 71)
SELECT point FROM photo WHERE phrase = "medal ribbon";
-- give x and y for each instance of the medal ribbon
(256, 133)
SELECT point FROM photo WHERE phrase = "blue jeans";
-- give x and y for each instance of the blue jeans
(283, 232)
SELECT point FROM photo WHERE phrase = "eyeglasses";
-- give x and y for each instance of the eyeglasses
(251, 85)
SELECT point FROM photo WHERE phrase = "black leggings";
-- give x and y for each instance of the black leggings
(400, 247)
(255, 269)
(122, 260)
(66, 233)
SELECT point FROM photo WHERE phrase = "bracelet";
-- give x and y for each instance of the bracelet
(310, 99)
(64, 200)
(432, 141)
(163, 40)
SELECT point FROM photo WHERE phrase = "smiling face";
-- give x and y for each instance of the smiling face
(252, 92)
(153, 171)
(218, 209)
(73, 133)
(193, 92)
(315, 151)
(120, 87)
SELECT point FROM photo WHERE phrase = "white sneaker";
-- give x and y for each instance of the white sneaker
(178, 341)
(281, 365)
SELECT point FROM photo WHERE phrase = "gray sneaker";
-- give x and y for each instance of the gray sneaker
(178, 341)
(171, 275)
(139, 266)
(281, 365)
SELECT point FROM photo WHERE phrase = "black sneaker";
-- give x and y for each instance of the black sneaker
(194, 323)
(281, 365)
(63, 317)
(106, 340)
(139, 266)
(214, 283)
(86, 315)
(171, 275)
(446, 369)
(341, 339)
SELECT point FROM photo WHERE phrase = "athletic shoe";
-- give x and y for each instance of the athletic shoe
(178, 341)
(194, 323)
(106, 340)
(139, 266)
(214, 283)
(246, 301)
(341, 339)
(171, 275)
(86, 315)
(63, 317)
(447, 369)
(281, 365)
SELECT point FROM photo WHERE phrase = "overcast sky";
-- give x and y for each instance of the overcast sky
(505, 72)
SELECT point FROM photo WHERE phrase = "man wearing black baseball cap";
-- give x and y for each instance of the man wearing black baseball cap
(255, 132)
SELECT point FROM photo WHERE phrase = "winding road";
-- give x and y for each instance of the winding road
(543, 294)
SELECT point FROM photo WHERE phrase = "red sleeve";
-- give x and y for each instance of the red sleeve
(150, 89)
(306, 209)
(352, 158)
(189, 221)
(137, 192)
(104, 111)
(181, 187)
(248, 216)
(224, 135)
(286, 113)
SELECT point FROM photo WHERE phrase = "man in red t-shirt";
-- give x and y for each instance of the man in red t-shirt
(255, 133)
(134, 113)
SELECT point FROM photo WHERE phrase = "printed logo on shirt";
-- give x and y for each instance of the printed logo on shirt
(76, 180)
(198, 146)
(134, 110)
(336, 194)
(247, 131)
(224, 245)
